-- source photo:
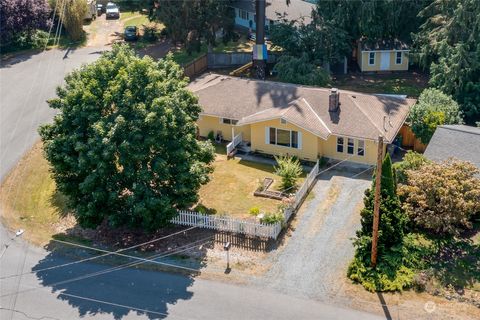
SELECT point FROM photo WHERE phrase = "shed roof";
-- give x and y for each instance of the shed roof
(382, 44)
(458, 141)
(364, 116)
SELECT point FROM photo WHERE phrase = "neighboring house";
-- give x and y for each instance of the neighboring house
(245, 12)
(383, 55)
(279, 118)
(457, 141)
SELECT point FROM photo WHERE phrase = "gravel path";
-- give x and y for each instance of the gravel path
(320, 248)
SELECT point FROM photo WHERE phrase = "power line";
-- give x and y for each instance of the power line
(125, 265)
(100, 256)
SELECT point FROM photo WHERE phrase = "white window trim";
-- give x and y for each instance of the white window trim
(299, 138)
(358, 148)
(374, 58)
(401, 57)
(337, 144)
(353, 146)
(228, 124)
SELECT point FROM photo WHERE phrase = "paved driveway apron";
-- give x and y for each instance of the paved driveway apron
(318, 253)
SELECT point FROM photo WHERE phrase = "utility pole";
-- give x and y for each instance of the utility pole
(260, 49)
(376, 205)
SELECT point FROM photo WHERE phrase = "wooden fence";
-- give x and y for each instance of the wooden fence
(228, 224)
(196, 67)
(409, 139)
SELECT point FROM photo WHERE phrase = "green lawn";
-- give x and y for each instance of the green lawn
(135, 20)
(30, 200)
(232, 184)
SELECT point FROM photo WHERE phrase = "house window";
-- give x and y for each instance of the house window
(242, 14)
(371, 58)
(340, 144)
(294, 139)
(285, 138)
(229, 121)
(350, 145)
(398, 57)
(283, 121)
(361, 148)
(273, 136)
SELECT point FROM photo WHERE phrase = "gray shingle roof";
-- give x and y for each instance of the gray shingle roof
(383, 44)
(458, 141)
(296, 10)
(364, 116)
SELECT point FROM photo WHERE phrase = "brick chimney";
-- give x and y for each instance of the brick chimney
(333, 100)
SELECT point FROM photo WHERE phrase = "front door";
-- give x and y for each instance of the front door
(385, 61)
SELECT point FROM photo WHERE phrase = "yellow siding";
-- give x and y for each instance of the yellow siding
(312, 146)
(329, 150)
(364, 66)
(309, 149)
(209, 123)
(398, 67)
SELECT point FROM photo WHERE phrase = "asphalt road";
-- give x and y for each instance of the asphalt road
(136, 294)
(26, 82)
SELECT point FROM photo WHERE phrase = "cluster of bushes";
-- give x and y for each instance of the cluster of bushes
(419, 199)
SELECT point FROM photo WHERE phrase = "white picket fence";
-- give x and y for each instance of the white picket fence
(251, 228)
(234, 143)
(307, 184)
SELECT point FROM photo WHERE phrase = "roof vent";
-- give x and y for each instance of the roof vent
(333, 100)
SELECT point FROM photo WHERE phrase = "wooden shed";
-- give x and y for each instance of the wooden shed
(382, 55)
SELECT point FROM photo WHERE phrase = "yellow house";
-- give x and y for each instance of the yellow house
(384, 55)
(285, 119)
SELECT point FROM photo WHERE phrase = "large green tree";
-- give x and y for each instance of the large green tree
(448, 44)
(320, 41)
(432, 109)
(123, 146)
(188, 21)
(373, 18)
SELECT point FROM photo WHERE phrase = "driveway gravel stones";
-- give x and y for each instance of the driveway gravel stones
(320, 248)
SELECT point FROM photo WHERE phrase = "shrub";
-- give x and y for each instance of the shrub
(211, 136)
(433, 108)
(289, 169)
(442, 197)
(301, 71)
(411, 161)
(272, 218)
(254, 211)
(150, 33)
(395, 269)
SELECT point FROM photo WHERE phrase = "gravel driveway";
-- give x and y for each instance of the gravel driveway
(320, 248)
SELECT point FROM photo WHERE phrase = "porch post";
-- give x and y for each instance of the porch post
(233, 132)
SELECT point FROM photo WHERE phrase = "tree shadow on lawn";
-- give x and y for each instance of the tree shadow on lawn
(120, 285)
(456, 262)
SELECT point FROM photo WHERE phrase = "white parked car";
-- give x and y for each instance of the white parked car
(112, 11)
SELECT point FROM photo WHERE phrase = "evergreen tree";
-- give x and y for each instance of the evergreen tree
(448, 45)
(390, 273)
